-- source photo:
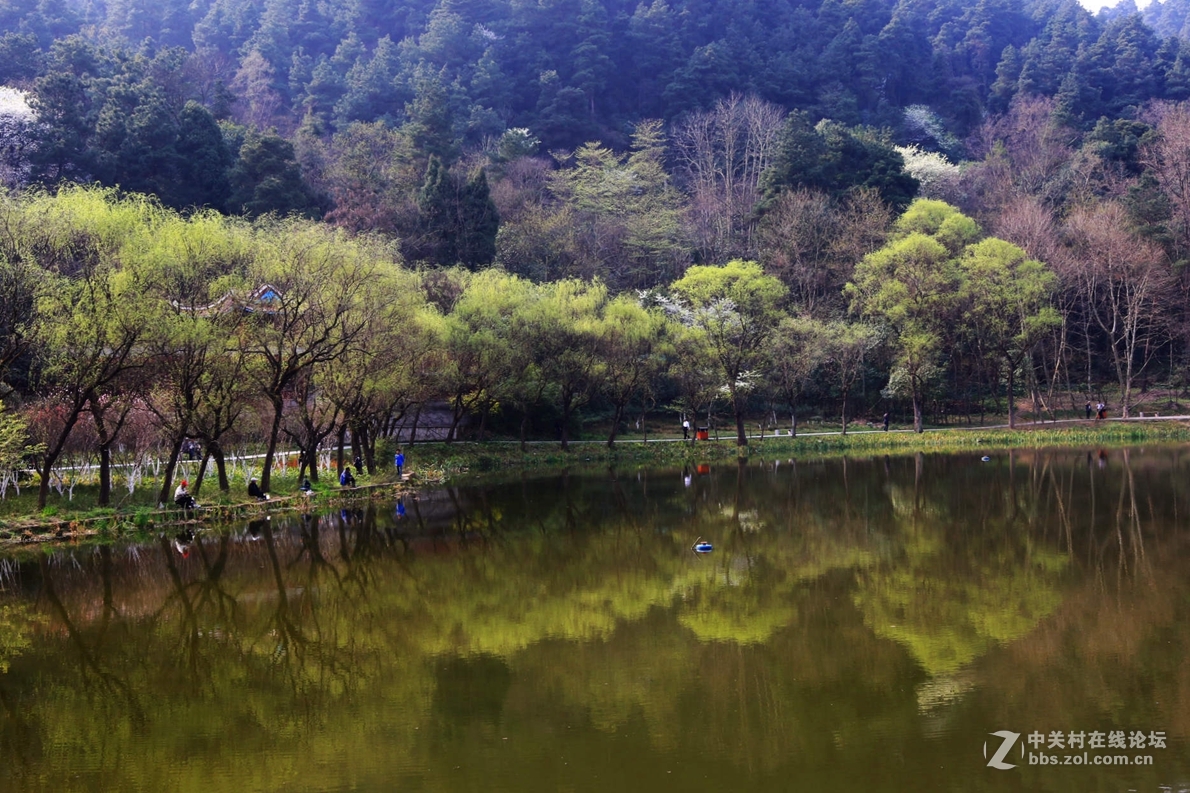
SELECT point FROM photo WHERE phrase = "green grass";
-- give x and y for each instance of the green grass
(497, 458)
(136, 514)
(429, 464)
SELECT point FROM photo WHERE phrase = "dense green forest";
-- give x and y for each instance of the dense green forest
(336, 108)
(592, 210)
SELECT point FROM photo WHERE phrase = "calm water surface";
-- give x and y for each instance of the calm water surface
(861, 625)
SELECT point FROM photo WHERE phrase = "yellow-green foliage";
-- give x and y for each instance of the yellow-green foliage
(949, 602)
(16, 622)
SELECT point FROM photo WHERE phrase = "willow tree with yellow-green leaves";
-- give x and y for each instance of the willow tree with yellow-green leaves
(564, 326)
(633, 344)
(796, 351)
(940, 277)
(1007, 308)
(91, 303)
(377, 379)
(188, 356)
(480, 355)
(303, 289)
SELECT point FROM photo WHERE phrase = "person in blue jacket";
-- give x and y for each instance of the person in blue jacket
(346, 479)
(399, 461)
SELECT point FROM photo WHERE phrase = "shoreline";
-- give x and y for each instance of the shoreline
(477, 460)
(37, 530)
(439, 464)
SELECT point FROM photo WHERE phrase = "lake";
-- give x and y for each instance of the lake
(913, 623)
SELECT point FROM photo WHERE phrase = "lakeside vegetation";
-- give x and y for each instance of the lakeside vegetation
(499, 458)
(135, 337)
(434, 464)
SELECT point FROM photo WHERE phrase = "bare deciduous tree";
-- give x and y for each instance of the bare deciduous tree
(1166, 156)
(812, 244)
(1024, 152)
(1124, 281)
(721, 154)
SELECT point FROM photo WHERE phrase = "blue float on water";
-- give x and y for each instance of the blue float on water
(703, 547)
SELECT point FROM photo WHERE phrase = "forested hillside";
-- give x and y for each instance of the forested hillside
(735, 186)
(112, 81)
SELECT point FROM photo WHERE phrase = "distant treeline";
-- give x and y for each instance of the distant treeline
(580, 70)
(338, 107)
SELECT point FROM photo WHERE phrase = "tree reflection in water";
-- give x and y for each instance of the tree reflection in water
(856, 621)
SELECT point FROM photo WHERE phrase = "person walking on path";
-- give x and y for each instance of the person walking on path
(399, 462)
(685, 429)
(1088, 410)
(886, 421)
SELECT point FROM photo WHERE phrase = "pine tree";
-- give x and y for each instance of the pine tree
(1008, 75)
(437, 210)
(478, 223)
(430, 126)
(266, 179)
(204, 160)
(591, 63)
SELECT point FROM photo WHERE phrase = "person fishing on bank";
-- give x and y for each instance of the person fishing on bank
(182, 497)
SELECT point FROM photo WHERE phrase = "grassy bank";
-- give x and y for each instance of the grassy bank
(431, 464)
(135, 518)
(495, 458)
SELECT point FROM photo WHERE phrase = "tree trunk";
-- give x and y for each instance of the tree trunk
(105, 474)
(52, 455)
(105, 455)
(917, 426)
(741, 432)
(216, 451)
(611, 438)
(456, 417)
(266, 476)
(165, 497)
(566, 402)
(341, 441)
(483, 419)
(1126, 389)
(413, 429)
(356, 449)
(202, 472)
(524, 426)
(311, 455)
(1011, 401)
(369, 445)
